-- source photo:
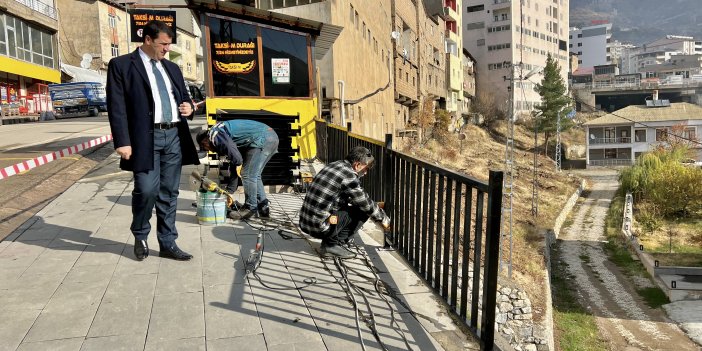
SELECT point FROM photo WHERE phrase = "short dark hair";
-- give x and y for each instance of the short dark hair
(201, 135)
(154, 28)
(360, 154)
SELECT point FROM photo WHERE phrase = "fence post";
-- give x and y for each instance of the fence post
(492, 253)
(388, 189)
(347, 144)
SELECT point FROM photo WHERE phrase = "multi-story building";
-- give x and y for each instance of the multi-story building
(28, 54)
(592, 44)
(356, 74)
(108, 20)
(618, 139)
(454, 56)
(468, 82)
(504, 35)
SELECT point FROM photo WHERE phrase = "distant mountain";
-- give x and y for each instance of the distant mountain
(641, 21)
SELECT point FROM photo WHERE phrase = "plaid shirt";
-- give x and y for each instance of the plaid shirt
(336, 183)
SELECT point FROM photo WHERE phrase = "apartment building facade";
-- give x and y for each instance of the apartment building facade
(657, 52)
(109, 22)
(28, 54)
(501, 34)
(592, 44)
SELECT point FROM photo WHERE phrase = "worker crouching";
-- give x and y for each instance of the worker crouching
(336, 206)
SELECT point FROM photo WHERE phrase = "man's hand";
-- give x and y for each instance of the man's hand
(185, 109)
(124, 151)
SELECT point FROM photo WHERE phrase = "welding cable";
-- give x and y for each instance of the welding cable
(370, 321)
(337, 263)
(376, 284)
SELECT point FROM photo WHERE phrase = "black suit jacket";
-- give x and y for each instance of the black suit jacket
(130, 108)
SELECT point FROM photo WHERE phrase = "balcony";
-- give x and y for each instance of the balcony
(501, 4)
(42, 8)
(622, 140)
(451, 36)
(450, 14)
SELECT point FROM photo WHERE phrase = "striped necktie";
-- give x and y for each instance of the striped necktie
(166, 110)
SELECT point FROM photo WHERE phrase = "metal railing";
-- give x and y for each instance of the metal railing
(38, 6)
(612, 162)
(445, 224)
(621, 140)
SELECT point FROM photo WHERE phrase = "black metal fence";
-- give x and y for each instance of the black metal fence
(446, 224)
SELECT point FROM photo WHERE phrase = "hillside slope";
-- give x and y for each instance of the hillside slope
(641, 21)
(484, 150)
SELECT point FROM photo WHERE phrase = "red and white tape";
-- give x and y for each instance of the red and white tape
(41, 160)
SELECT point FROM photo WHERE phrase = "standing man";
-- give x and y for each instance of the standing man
(147, 103)
(259, 143)
(336, 206)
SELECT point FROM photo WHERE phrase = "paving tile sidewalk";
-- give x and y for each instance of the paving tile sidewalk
(69, 281)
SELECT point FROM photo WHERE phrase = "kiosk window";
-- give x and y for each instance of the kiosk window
(235, 62)
(285, 63)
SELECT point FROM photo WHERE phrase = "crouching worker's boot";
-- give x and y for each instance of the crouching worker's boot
(264, 208)
(335, 251)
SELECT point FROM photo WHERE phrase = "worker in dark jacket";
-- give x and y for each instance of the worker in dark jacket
(248, 143)
(336, 206)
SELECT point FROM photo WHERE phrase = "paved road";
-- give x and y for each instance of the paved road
(623, 319)
(24, 194)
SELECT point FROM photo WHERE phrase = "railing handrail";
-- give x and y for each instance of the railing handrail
(463, 178)
(38, 6)
(441, 225)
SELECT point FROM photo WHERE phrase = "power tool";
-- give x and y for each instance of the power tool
(210, 185)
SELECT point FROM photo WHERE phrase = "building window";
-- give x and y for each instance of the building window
(25, 42)
(640, 135)
(610, 153)
(187, 45)
(661, 134)
(112, 20)
(115, 50)
(189, 67)
(580, 44)
(690, 133)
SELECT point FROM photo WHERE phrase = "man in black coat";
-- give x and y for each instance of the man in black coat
(147, 104)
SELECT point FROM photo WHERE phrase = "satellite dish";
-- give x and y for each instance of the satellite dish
(87, 60)
(395, 35)
(592, 136)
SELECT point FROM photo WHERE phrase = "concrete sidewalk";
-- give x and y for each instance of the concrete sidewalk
(69, 281)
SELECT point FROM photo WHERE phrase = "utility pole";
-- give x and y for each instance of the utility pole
(508, 182)
(535, 178)
(558, 141)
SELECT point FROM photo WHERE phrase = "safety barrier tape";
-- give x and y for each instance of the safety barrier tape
(44, 159)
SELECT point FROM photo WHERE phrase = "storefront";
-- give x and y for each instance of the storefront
(27, 65)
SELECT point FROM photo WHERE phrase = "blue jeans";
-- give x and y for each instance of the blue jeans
(158, 187)
(254, 161)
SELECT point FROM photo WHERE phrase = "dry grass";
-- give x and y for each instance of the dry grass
(675, 243)
(484, 150)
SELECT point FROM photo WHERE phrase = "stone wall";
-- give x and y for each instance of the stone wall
(513, 319)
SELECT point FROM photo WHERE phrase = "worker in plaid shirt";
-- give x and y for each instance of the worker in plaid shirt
(336, 206)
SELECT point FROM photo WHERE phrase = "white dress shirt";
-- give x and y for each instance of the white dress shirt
(158, 113)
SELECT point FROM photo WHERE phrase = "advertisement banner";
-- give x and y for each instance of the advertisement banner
(140, 17)
(280, 69)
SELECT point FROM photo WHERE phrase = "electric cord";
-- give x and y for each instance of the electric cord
(348, 285)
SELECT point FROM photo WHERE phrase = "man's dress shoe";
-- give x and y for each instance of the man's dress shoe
(141, 249)
(175, 253)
